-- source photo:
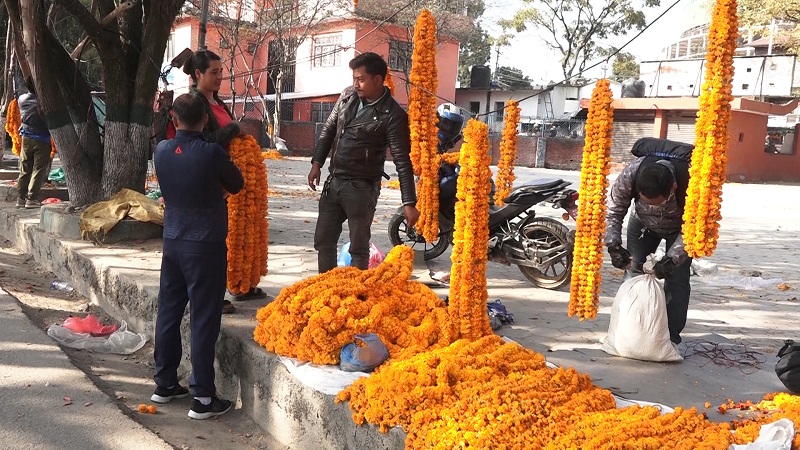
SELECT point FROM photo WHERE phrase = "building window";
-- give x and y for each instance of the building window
(499, 109)
(251, 47)
(328, 50)
(320, 111)
(779, 141)
(169, 53)
(400, 55)
(475, 108)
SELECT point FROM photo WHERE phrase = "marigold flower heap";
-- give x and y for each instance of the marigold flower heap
(588, 252)
(508, 154)
(422, 122)
(483, 393)
(468, 293)
(13, 122)
(708, 170)
(247, 218)
(773, 407)
(271, 154)
(313, 319)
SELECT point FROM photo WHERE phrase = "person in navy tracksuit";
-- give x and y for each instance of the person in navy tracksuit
(195, 178)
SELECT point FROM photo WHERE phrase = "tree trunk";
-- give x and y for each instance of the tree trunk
(122, 168)
(276, 127)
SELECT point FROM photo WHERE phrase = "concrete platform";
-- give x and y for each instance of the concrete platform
(123, 280)
(55, 220)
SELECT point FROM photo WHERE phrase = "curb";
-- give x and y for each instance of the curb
(297, 416)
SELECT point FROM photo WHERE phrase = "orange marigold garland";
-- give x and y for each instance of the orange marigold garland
(468, 293)
(312, 319)
(13, 122)
(508, 154)
(450, 157)
(422, 122)
(247, 218)
(708, 170)
(52, 148)
(588, 252)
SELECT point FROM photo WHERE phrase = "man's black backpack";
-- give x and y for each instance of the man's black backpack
(678, 153)
(788, 366)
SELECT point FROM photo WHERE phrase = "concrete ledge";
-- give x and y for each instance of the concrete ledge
(9, 193)
(294, 414)
(55, 220)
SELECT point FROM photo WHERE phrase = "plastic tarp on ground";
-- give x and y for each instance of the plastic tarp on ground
(98, 219)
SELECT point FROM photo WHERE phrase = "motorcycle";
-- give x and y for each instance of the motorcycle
(540, 246)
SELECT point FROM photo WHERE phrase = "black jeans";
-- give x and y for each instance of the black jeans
(353, 200)
(641, 243)
(194, 273)
(33, 160)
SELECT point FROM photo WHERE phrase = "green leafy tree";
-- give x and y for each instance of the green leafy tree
(759, 14)
(130, 38)
(624, 67)
(512, 78)
(575, 27)
(475, 51)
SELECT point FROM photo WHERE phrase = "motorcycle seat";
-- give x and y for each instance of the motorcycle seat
(542, 185)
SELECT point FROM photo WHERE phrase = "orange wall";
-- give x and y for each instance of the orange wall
(446, 59)
(747, 161)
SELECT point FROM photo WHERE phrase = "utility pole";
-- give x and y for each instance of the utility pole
(201, 41)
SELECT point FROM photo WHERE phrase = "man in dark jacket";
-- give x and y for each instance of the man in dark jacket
(35, 153)
(658, 215)
(195, 177)
(364, 122)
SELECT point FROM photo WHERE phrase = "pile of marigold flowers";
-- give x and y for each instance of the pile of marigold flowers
(588, 253)
(313, 319)
(13, 122)
(508, 154)
(392, 184)
(468, 292)
(271, 154)
(773, 407)
(708, 170)
(247, 218)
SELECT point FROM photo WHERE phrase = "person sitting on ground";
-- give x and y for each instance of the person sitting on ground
(195, 176)
(205, 68)
(34, 156)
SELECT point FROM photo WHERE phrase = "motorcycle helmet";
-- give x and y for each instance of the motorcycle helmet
(451, 122)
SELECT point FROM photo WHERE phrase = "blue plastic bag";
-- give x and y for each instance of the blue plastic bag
(344, 258)
(366, 358)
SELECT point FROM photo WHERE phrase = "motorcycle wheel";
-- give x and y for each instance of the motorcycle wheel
(401, 234)
(549, 233)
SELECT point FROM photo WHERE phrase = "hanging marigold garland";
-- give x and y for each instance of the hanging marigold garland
(708, 170)
(468, 293)
(588, 253)
(52, 148)
(247, 218)
(508, 154)
(314, 318)
(13, 122)
(424, 83)
(389, 81)
(422, 122)
(450, 157)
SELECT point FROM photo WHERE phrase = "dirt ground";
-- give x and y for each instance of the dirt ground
(127, 380)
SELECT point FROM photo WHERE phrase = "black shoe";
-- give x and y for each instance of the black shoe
(164, 395)
(217, 407)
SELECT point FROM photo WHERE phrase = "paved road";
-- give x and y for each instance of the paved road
(35, 378)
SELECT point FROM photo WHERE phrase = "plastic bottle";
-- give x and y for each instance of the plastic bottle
(61, 286)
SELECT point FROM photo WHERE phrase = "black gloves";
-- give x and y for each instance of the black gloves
(620, 258)
(664, 268)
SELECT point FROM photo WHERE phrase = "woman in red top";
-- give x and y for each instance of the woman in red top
(205, 68)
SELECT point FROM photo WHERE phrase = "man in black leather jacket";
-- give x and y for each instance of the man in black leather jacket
(364, 122)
